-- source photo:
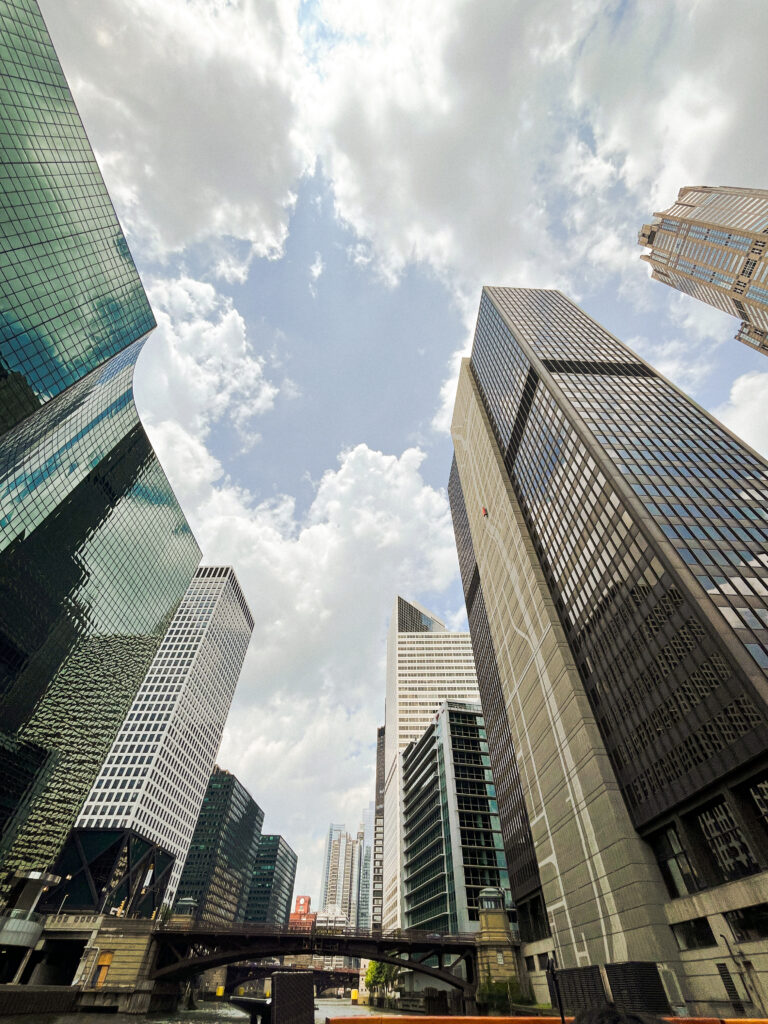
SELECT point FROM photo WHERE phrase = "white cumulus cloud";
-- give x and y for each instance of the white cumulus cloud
(191, 109)
(199, 366)
(321, 587)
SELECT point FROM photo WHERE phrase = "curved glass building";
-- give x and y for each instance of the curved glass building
(95, 553)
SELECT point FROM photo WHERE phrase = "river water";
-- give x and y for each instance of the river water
(209, 1013)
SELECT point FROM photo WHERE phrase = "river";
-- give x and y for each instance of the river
(209, 1013)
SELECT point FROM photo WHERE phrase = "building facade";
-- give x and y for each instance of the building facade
(452, 846)
(366, 868)
(95, 553)
(153, 780)
(346, 882)
(615, 534)
(711, 244)
(272, 882)
(334, 834)
(302, 915)
(377, 859)
(220, 864)
(426, 664)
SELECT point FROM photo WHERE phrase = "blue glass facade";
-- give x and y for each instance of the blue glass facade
(95, 553)
(70, 296)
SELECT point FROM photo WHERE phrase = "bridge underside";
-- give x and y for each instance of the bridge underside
(238, 974)
(184, 953)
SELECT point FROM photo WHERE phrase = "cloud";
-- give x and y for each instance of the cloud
(199, 365)
(315, 271)
(303, 725)
(317, 267)
(526, 146)
(744, 412)
(191, 109)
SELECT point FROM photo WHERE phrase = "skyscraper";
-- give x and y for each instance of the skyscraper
(274, 875)
(334, 833)
(95, 553)
(452, 846)
(345, 875)
(218, 871)
(613, 536)
(366, 867)
(711, 244)
(377, 861)
(426, 664)
(153, 780)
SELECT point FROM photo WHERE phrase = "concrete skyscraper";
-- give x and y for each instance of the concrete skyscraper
(153, 780)
(426, 664)
(711, 244)
(95, 553)
(612, 541)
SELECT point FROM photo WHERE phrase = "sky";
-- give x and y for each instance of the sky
(315, 192)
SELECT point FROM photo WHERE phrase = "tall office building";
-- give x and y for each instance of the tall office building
(452, 846)
(426, 664)
(153, 780)
(612, 542)
(366, 867)
(711, 244)
(345, 875)
(272, 882)
(377, 860)
(334, 833)
(218, 871)
(95, 553)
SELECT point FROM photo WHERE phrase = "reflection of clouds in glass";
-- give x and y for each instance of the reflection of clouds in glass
(45, 458)
(144, 533)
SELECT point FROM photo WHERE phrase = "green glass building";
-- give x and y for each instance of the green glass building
(222, 855)
(272, 882)
(452, 840)
(95, 553)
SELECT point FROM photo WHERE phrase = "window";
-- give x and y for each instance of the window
(694, 934)
(749, 924)
(677, 871)
(726, 842)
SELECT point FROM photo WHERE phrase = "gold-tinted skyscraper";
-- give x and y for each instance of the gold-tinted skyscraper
(711, 243)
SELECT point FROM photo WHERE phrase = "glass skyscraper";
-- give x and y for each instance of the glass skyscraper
(377, 860)
(452, 846)
(426, 664)
(612, 539)
(218, 870)
(272, 882)
(95, 553)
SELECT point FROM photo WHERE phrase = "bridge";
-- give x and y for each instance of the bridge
(241, 973)
(187, 948)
